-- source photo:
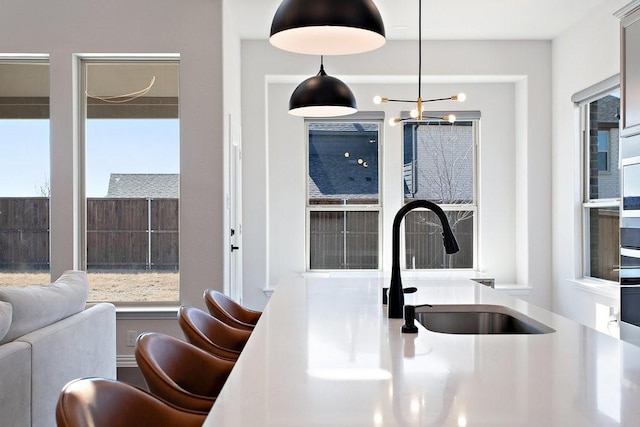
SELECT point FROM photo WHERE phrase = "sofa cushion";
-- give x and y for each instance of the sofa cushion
(37, 306)
(5, 318)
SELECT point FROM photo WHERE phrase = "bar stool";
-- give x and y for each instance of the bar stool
(101, 402)
(179, 372)
(210, 334)
(229, 311)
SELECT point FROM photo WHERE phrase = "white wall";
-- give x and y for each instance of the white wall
(584, 55)
(510, 82)
(63, 29)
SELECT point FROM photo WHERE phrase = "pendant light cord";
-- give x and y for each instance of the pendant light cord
(322, 72)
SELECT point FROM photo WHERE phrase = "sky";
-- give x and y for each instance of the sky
(113, 146)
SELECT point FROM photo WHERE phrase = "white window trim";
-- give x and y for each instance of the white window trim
(80, 255)
(582, 100)
(360, 117)
(474, 116)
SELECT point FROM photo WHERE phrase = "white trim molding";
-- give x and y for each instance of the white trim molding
(126, 361)
(624, 11)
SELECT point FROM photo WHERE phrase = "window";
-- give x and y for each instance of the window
(602, 186)
(24, 172)
(439, 166)
(603, 150)
(131, 179)
(343, 194)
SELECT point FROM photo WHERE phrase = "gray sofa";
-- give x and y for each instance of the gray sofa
(49, 336)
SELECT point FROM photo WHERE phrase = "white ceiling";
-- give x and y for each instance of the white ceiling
(446, 19)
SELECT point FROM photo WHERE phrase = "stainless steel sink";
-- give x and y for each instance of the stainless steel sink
(477, 319)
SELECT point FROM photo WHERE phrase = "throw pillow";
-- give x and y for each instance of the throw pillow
(5, 318)
(35, 307)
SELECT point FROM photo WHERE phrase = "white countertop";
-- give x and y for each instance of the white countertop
(325, 353)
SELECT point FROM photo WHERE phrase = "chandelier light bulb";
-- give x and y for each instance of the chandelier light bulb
(451, 118)
(414, 113)
(461, 97)
(377, 100)
(393, 121)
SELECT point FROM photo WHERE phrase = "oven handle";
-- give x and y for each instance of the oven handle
(633, 253)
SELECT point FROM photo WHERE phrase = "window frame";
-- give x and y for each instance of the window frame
(82, 198)
(360, 117)
(25, 107)
(475, 117)
(588, 204)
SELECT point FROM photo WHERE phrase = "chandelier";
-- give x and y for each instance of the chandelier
(417, 114)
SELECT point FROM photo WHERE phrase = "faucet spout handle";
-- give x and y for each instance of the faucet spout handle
(385, 297)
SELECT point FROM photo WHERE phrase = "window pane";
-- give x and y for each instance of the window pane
(438, 162)
(343, 240)
(343, 163)
(602, 180)
(24, 173)
(439, 167)
(132, 147)
(604, 175)
(604, 242)
(423, 240)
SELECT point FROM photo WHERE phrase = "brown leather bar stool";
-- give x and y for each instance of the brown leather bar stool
(210, 334)
(229, 311)
(101, 402)
(180, 373)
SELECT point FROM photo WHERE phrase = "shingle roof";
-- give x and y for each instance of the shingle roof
(133, 185)
(442, 168)
(335, 150)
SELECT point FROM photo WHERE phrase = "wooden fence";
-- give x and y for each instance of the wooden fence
(605, 243)
(122, 234)
(424, 245)
(349, 240)
(24, 234)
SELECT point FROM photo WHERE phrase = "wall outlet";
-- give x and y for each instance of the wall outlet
(131, 338)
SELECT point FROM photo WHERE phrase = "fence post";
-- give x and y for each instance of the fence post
(149, 233)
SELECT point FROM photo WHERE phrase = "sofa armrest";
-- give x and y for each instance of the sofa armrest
(78, 346)
(15, 385)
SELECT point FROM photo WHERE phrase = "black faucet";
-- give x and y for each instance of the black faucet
(396, 293)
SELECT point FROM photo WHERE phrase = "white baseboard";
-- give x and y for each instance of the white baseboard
(126, 361)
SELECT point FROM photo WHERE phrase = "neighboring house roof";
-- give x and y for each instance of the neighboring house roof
(143, 185)
(334, 151)
(441, 168)
(438, 166)
(609, 109)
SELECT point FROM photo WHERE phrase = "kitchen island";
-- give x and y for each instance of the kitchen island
(324, 353)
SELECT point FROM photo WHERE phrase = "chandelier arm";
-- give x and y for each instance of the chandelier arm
(401, 100)
(448, 98)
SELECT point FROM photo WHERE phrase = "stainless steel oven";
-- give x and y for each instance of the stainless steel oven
(630, 242)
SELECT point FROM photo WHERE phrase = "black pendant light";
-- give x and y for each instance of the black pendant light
(322, 96)
(327, 27)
